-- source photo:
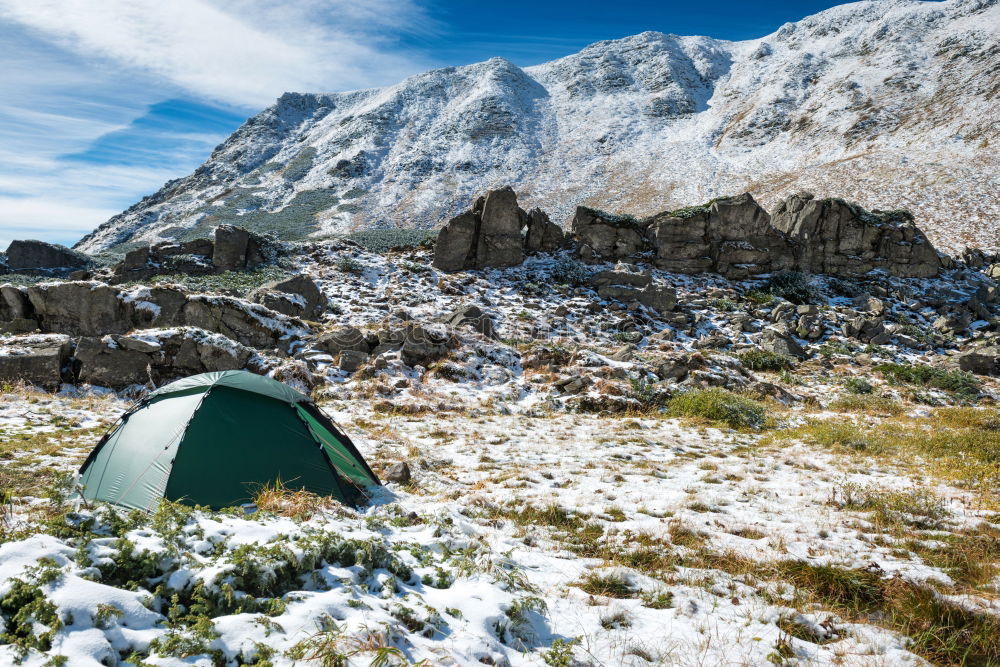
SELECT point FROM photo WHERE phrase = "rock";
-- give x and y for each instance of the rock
(869, 304)
(500, 244)
(247, 323)
(103, 362)
(981, 361)
(472, 316)
(731, 236)
(14, 303)
(994, 271)
(780, 342)
(623, 353)
(658, 297)
(22, 255)
(154, 307)
(38, 359)
(543, 234)
(18, 326)
(608, 236)
(616, 277)
(457, 243)
(230, 249)
(572, 385)
(839, 238)
(397, 472)
(296, 296)
(352, 360)
(78, 308)
(156, 356)
(342, 338)
(866, 329)
(423, 344)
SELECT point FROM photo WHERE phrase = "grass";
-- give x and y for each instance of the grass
(873, 405)
(719, 406)
(606, 584)
(958, 445)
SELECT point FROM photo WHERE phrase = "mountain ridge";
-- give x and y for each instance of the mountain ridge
(887, 102)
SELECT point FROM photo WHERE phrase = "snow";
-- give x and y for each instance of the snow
(884, 102)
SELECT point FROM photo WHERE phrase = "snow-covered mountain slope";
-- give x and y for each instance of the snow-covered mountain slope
(892, 103)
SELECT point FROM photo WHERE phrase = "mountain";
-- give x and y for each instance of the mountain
(892, 103)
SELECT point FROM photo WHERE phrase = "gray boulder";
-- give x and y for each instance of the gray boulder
(543, 234)
(397, 472)
(230, 249)
(295, 296)
(981, 361)
(29, 254)
(156, 356)
(38, 359)
(351, 360)
(247, 323)
(608, 236)
(342, 338)
(781, 342)
(472, 316)
(839, 238)
(457, 243)
(500, 243)
(14, 303)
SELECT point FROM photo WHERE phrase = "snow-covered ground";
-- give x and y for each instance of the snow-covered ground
(496, 552)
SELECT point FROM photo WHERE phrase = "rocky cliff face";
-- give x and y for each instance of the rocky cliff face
(888, 103)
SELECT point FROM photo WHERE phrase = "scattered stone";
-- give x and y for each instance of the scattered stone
(296, 296)
(397, 472)
(352, 360)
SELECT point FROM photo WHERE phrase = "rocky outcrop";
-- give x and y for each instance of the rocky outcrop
(45, 257)
(490, 235)
(95, 309)
(156, 356)
(39, 359)
(78, 308)
(735, 237)
(234, 249)
(839, 238)
(732, 236)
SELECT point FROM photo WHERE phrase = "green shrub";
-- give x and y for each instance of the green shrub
(960, 383)
(240, 282)
(792, 286)
(384, 240)
(764, 360)
(858, 386)
(569, 271)
(718, 405)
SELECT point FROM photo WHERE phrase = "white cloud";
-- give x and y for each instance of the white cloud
(245, 52)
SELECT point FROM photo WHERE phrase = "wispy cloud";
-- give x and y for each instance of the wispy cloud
(245, 52)
(89, 117)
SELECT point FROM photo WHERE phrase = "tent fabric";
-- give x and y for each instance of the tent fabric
(216, 440)
(244, 380)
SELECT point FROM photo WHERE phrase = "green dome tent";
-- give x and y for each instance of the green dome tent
(214, 439)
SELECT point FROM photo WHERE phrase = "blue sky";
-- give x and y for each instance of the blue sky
(102, 102)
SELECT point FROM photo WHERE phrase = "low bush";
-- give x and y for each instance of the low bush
(569, 271)
(718, 405)
(384, 240)
(962, 384)
(792, 286)
(764, 360)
